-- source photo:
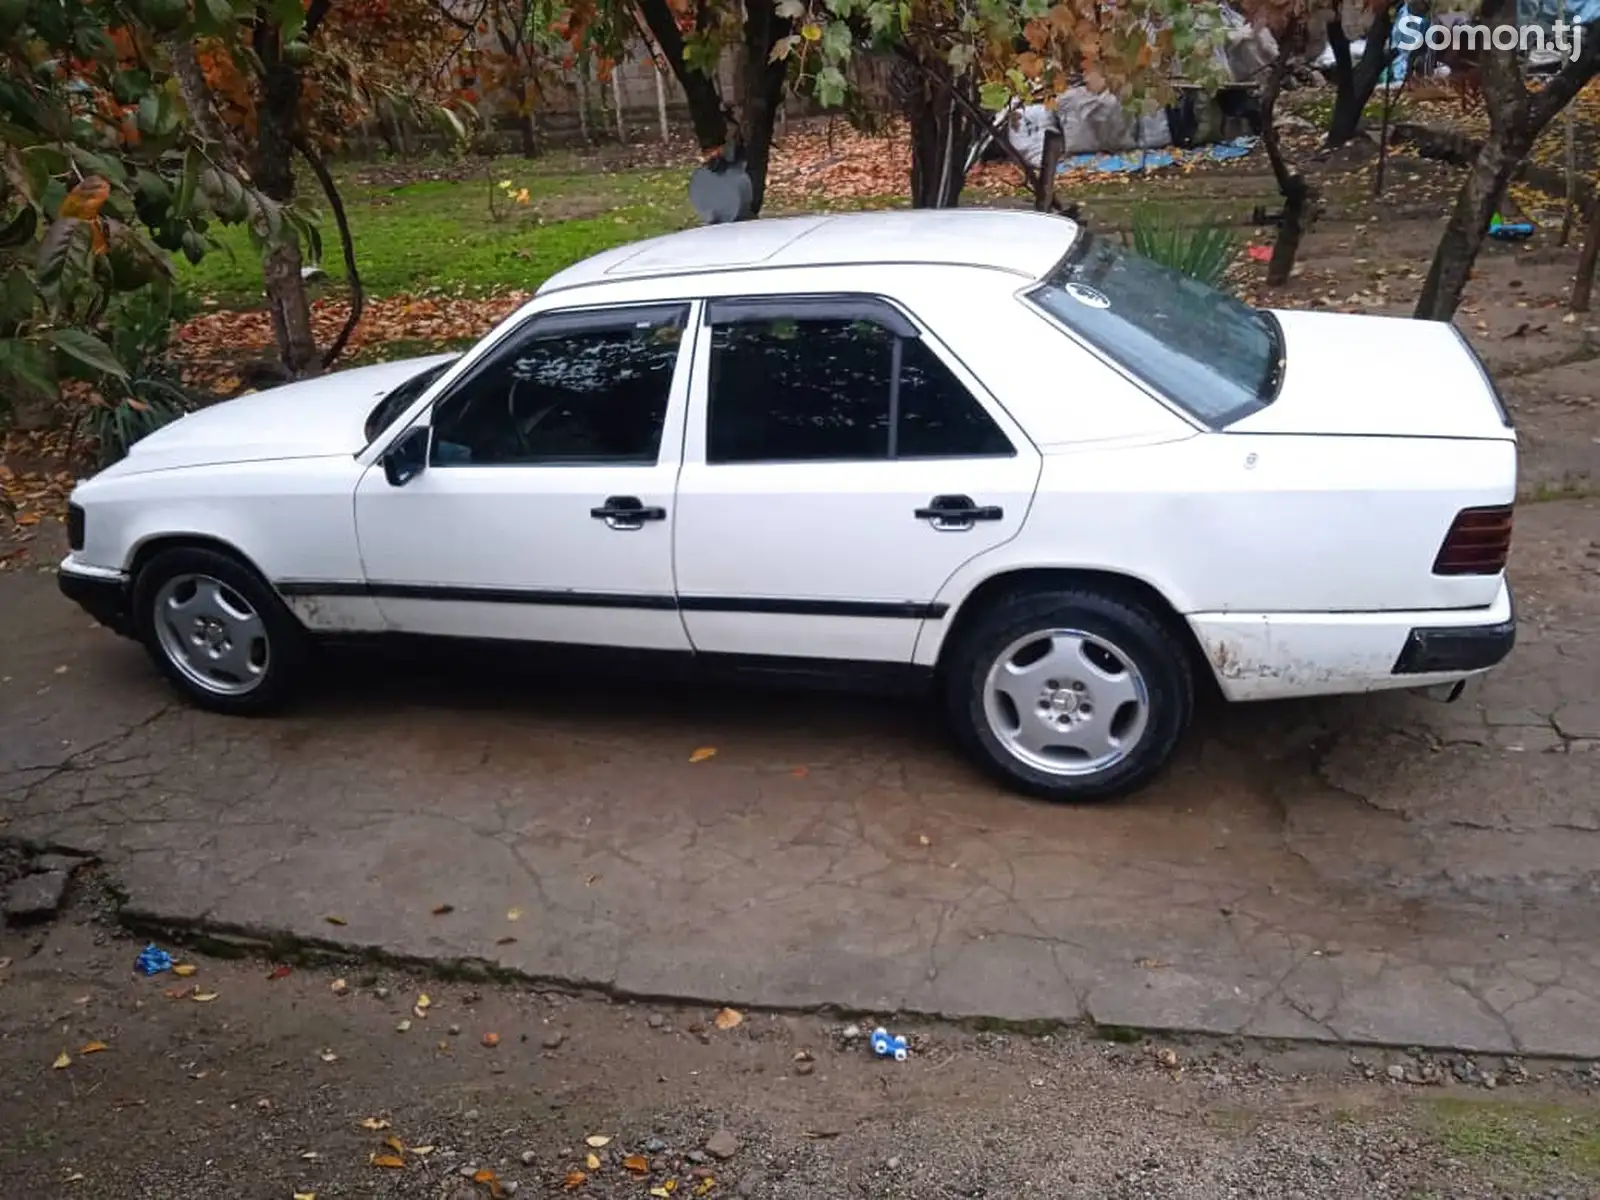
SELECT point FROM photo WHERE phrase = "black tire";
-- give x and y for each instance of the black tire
(288, 645)
(1142, 636)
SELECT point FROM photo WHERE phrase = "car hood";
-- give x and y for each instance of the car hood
(1366, 376)
(313, 418)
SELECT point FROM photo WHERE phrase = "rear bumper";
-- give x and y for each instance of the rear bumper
(1432, 649)
(100, 592)
(1268, 656)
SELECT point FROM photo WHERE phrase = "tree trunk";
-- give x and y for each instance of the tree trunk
(1299, 197)
(528, 135)
(272, 167)
(760, 91)
(1469, 224)
(938, 135)
(1583, 285)
(1355, 82)
(700, 90)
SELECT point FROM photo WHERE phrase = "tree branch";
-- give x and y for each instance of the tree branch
(358, 296)
(705, 102)
(1565, 84)
(315, 12)
(1029, 175)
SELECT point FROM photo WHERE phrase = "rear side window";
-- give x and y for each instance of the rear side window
(819, 388)
(1216, 357)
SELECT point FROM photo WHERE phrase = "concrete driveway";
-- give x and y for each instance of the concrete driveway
(1384, 869)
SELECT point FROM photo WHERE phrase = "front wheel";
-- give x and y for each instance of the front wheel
(217, 631)
(1070, 695)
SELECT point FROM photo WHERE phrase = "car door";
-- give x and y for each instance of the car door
(840, 465)
(545, 509)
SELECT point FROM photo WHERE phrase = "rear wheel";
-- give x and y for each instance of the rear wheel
(1070, 695)
(217, 631)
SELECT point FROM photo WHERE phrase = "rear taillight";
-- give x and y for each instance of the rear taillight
(1477, 544)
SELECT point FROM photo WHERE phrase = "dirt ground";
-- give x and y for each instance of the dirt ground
(255, 1079)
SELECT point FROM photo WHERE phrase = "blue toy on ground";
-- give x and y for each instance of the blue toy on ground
(887, 1045)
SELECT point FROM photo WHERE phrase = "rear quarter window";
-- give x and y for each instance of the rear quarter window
(1212, 355)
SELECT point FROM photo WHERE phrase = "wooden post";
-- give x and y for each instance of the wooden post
(616, 95)
(583, 100)
(1044, 188)
(661, 102)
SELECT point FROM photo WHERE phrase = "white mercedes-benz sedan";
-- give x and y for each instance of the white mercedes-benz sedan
(991, 453)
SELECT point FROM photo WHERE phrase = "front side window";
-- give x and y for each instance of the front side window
(575, 389)
(820, 388)
(1216, 357)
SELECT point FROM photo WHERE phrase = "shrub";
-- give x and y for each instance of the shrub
(1203, 250)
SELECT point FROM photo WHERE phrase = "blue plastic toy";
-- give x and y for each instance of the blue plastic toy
(153, 960)
(1506, 230)
(887, 1045)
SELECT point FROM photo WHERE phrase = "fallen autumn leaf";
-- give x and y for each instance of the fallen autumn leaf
(184, 970)
(440, 910)
(374, 1123)
(597, 1140)
(491, 1040)
(387, 1160)
(203, 997)
(62, 1060)
(92, 1047)
(574, 1180)
(636, 1163)
(592, 1161)
(332, 920)
(728, 1018)
(703, 753)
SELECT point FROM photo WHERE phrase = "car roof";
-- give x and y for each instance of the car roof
(1022, 243)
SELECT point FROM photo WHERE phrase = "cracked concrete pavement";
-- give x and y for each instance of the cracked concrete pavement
(1378, 869)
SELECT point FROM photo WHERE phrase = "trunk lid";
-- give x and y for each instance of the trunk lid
(1368, 376)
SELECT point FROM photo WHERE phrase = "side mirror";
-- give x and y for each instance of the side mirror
(407, 457)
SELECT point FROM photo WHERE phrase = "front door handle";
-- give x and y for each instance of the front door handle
(955, 513)
(626, 512)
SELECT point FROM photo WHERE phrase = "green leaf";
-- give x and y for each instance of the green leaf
(290, 18)
(831, 87)
(994, 96)
(16, 297)
(192, 162)
(450, 124)
(836, 41)
(27, 364)
(214, 17)
(99, 164)
(87, 349)
(19, 231)
(56, 250)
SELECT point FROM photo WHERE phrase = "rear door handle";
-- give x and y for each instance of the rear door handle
(955, 513)
(627, 512)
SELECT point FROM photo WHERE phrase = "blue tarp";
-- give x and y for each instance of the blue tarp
(1548, 12)
(1122, 162)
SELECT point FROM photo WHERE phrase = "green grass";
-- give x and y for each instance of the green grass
(1525, 1142)
(437, 234)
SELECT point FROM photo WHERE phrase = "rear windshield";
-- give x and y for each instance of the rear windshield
(1215, 357)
